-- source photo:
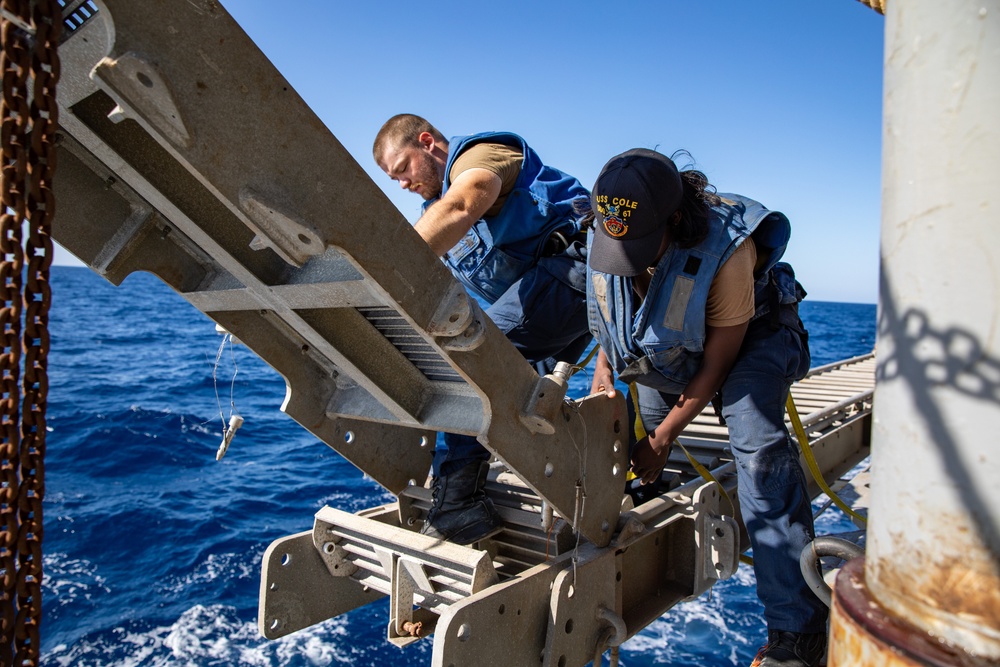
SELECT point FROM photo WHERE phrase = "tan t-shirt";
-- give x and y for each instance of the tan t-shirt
(730, 298)
(500, 159)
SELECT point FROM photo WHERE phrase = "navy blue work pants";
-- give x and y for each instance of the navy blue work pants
(774, 499)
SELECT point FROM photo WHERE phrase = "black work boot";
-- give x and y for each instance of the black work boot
(791, 649)
(461, 511)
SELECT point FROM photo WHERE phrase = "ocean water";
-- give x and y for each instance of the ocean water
(152, 548)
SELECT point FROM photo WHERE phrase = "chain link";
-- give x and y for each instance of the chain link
(29, 124)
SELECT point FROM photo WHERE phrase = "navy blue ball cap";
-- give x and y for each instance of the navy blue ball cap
(633, 199)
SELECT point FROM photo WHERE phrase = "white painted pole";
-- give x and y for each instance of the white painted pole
(933, 556)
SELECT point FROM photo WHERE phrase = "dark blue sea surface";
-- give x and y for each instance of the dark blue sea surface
(153, 548)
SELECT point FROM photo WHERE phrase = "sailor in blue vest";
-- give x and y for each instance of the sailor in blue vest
(508, 227)
(687, 299)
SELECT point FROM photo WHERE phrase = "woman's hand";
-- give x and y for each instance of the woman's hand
(648, 460)
(604, 376)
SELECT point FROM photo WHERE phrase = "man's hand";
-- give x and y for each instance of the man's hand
(604, 376)
(648, 461)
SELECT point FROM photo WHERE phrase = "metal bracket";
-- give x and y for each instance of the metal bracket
(509, 619)
(296, 589)
(334, 556)
(143, 93)
(575, 626)
(454, 313)
(716, 537)
(722, 555)
(400, 562)
(295, 241)
(469, 338)
(579, 469)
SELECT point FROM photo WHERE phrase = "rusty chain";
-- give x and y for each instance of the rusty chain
(29, 123)
(47, 21)
(15, 63)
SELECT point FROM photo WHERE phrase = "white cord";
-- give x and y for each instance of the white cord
(580, 501)
(235, 420)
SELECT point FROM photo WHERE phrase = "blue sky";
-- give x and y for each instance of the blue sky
(779, 100)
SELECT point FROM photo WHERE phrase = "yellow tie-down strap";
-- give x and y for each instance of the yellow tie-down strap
(800, 433)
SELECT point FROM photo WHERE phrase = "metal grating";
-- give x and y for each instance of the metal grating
(411, 344)
(75, 14)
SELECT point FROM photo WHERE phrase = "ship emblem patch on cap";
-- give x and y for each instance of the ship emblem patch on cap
(613, 224)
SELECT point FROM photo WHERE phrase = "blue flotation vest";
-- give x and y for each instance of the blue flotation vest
(660, 341)
(497, 251)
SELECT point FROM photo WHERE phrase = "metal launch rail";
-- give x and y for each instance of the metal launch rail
(184, 153)
(529, 593)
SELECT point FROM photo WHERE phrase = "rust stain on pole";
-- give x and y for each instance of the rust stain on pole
(968, 587)
(864, 634)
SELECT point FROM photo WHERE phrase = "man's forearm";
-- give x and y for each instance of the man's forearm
(446, 221)
(443, 225)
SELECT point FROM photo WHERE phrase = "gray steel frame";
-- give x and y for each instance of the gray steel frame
(186, 154)
(554, 596)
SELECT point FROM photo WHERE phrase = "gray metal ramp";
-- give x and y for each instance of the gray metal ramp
(184, 153)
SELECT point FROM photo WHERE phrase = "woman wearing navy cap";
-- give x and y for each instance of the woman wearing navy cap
(688, 299)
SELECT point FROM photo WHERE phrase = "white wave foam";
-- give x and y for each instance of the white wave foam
(208, 636)
(215, 567)
(355, 500)
(201, 427)
(68, 579)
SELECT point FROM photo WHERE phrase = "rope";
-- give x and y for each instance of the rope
(227, 338)
(809, 562)
(800, 433)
